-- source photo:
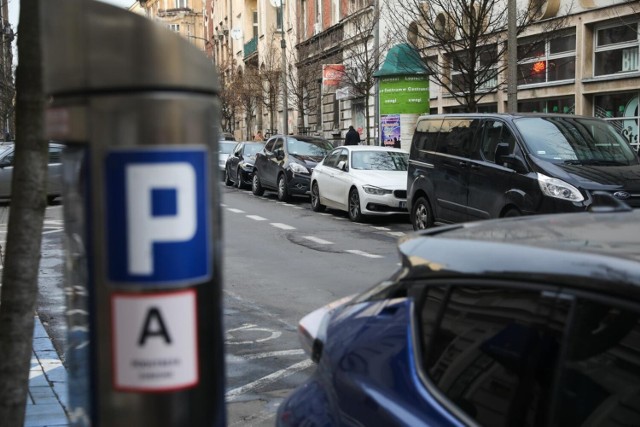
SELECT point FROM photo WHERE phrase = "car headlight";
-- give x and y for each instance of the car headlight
(297, 168)
(246, 166)
(375, 190)
(559, 189)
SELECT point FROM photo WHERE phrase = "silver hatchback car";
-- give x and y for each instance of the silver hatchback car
(54, 183)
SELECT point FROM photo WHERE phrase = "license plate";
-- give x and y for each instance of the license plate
(403, 205)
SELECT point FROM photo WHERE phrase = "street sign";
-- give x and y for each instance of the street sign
(157, 214)
(154, 341)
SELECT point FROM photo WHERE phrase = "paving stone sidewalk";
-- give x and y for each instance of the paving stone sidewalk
(48, 394)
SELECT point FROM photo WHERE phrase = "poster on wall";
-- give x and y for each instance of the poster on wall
(404, 95)
(390, 124)
(331, 77)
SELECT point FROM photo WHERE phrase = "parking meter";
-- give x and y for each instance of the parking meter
(137, 107)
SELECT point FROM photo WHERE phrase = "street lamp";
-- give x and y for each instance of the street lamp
(283, 45)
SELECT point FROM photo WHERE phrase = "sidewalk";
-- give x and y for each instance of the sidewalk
(47, 383)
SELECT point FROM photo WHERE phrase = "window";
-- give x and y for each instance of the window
(491, 350)
(174, 27)
(424, 139)
(279, 18)
(456, 136)
(182, 4)
(486, 77)
(255, 24)
(622, 111)
(305, 20)
(600, 377)
(332, 159)
(541, 61)
(616, 49)
(494, 133)
(55, 155)
(564, 105)
(269, 146)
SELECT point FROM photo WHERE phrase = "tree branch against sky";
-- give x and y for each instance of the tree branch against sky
(465, 40)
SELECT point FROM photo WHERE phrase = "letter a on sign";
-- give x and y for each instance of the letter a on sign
(158, 216)
(155, 344)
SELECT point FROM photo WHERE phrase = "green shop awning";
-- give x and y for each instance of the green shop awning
(402, 59)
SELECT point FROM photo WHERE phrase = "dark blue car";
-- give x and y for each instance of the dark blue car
(530, 321)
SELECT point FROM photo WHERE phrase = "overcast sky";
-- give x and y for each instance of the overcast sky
(14, 9)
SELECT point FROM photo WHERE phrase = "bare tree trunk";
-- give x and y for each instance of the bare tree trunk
(20, 275)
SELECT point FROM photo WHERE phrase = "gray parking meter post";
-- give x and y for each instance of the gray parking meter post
(138, 108)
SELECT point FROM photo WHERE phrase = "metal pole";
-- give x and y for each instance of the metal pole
(376, 100)
(285, 102)
(512, 58)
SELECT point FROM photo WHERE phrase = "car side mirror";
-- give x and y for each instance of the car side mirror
(279, 155)
(4, 163)
(506, 158)
(342, 165)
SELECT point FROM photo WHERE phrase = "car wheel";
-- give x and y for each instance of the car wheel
(239, 179)
(283, 189)
(227, 178)
(511, 213)
(355, 214)
(421, 216)
(316, 206)
(256, 186)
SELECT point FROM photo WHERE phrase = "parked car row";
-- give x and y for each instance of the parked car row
(465, 167)
(360, 180)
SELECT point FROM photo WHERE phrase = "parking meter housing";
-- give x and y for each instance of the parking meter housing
(138, 108)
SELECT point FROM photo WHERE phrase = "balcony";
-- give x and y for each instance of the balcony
(251, 47)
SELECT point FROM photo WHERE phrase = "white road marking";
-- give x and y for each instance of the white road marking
(287, 204)
(318, 240)
(237, 359)
(271, 378)
(223, 205)
(235, 210)
(53, 231)
(282, 226)
(256, 218)
(232, 339)
(397, 233)
(364, 254)
(382, 228)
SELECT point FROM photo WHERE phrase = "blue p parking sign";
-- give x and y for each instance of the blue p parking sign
(157, 203)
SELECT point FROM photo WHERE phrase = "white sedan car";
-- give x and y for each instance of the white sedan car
(361, 180)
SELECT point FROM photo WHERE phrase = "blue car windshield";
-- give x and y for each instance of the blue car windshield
(312, 147)
(379, 160)
(575, 140)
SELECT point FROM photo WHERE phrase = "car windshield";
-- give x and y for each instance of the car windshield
(226, 147)
(252, 149)
(312, 147)
(575, 140)
(379, 160)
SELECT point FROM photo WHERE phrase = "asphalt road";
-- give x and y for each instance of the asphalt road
(281, 261)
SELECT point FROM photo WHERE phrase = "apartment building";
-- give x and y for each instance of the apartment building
(588, 67)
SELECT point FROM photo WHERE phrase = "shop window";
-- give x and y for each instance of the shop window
(564, 105)
(617, 49)
(551, 60)
(622, 111)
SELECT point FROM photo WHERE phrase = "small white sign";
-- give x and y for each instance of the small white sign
(155, 341)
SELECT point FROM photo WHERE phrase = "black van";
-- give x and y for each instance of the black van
(465, 167)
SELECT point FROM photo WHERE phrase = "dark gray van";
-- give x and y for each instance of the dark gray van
(465, 167)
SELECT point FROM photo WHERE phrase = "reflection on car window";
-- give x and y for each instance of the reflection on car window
(491, 352)
(226, 147)
(579, 140)
(252, 149)
(332, 159)
(312, 147)
(379, 160)
(600, 380)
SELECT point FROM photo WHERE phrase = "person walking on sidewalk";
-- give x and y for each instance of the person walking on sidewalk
(352, 137)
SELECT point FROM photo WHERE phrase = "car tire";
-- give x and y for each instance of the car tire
(227, 178)
(239, 179)
(512, 212)
(256, 185)
(283, 189)
(421, 216)
(355, 213)
(316, 206)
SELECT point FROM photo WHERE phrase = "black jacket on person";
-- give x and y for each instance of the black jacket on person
(352, 137)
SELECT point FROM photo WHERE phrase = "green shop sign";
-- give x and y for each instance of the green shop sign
(404, 95)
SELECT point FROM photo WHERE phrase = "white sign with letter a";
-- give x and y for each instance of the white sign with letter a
(154, 341)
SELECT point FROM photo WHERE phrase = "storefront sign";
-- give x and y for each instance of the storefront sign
(404, 95)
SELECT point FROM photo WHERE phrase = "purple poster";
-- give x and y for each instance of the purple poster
(390, 129)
